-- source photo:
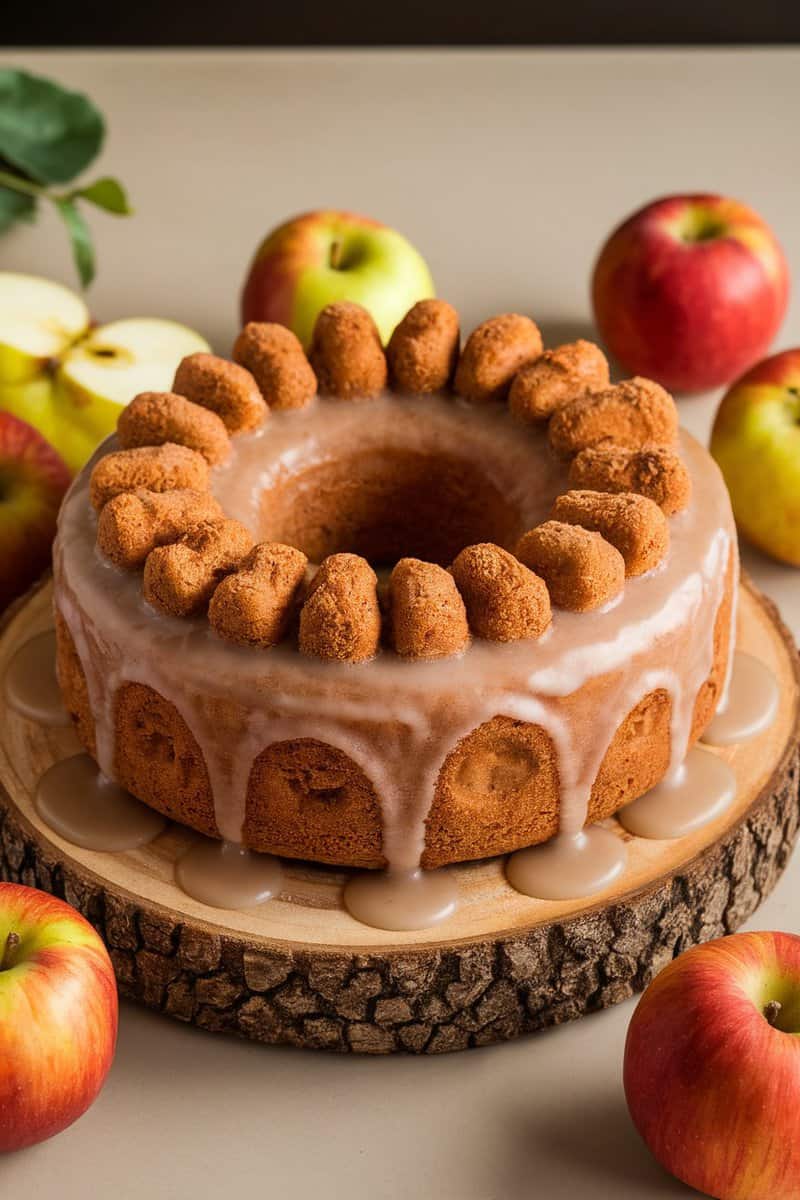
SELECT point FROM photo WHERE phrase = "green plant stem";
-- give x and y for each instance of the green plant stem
(15, 184)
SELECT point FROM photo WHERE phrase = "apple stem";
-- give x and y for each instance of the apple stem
(335, 256)
(772, 1011)
(6, 962)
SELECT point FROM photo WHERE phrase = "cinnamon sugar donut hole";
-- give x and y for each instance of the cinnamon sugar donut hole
(179, 579)
(504, 600)
(153, 418)
(340, 619)
(654, 471)
(581, 569)
(226, 388)
(156, 468)
(423, 350)
(493, 354)
(346, 353)
(632, 523)
(630, 414)
(276, 360)
(427, 614)
(254, 606)
(134, 523)
(557, 377)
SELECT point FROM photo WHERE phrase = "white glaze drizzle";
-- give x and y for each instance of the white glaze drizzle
(399, 721)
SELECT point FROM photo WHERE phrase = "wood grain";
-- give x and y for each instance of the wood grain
(300, 970)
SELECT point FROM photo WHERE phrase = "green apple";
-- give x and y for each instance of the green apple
(322, 257)
(756, 441)
(70, 381)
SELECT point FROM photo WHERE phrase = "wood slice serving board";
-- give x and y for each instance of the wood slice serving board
(300, 970)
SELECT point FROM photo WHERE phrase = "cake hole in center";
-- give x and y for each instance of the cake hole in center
(389, 505)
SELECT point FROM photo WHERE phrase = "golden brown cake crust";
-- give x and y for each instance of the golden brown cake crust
(446, 523)
(308, 800)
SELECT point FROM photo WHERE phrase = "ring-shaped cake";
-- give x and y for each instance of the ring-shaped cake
(402, 622)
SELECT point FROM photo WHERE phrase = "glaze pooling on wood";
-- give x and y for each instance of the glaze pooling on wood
(569, 866)
(30, 683)
(701, 790)
(224, 875)
(84, 807)
(245, 972)
(402, 727)
(401, 899)
(749, 705)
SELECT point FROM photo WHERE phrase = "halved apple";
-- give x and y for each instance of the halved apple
(107, 369)
(38, 321)
(69, 381)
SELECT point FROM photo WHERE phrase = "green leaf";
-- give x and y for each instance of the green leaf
(46, 131)
(108, 194)
(15, 207)
(81, 238)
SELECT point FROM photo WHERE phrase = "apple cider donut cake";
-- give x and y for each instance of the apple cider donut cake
(400, 606)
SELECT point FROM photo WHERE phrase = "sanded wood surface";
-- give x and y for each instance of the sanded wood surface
(300, 970)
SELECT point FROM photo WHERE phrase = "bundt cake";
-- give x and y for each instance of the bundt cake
(412, 605)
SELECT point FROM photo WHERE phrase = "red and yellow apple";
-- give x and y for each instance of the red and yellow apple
(321, 257)
(756, 441)
(58, 1016)
(712, 1067)
(690, 291)
(33, 480)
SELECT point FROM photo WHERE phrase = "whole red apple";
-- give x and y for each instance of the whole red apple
(58, 1015)
(690, 291)
(712, 1067)
(756, 441)
(321, 257)
(33, 479)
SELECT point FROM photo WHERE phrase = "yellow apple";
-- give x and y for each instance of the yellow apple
(69, 381)
(756, 441)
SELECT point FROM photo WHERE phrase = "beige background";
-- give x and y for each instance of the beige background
(507, 169)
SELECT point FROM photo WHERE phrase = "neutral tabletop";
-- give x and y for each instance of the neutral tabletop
(507, 169)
